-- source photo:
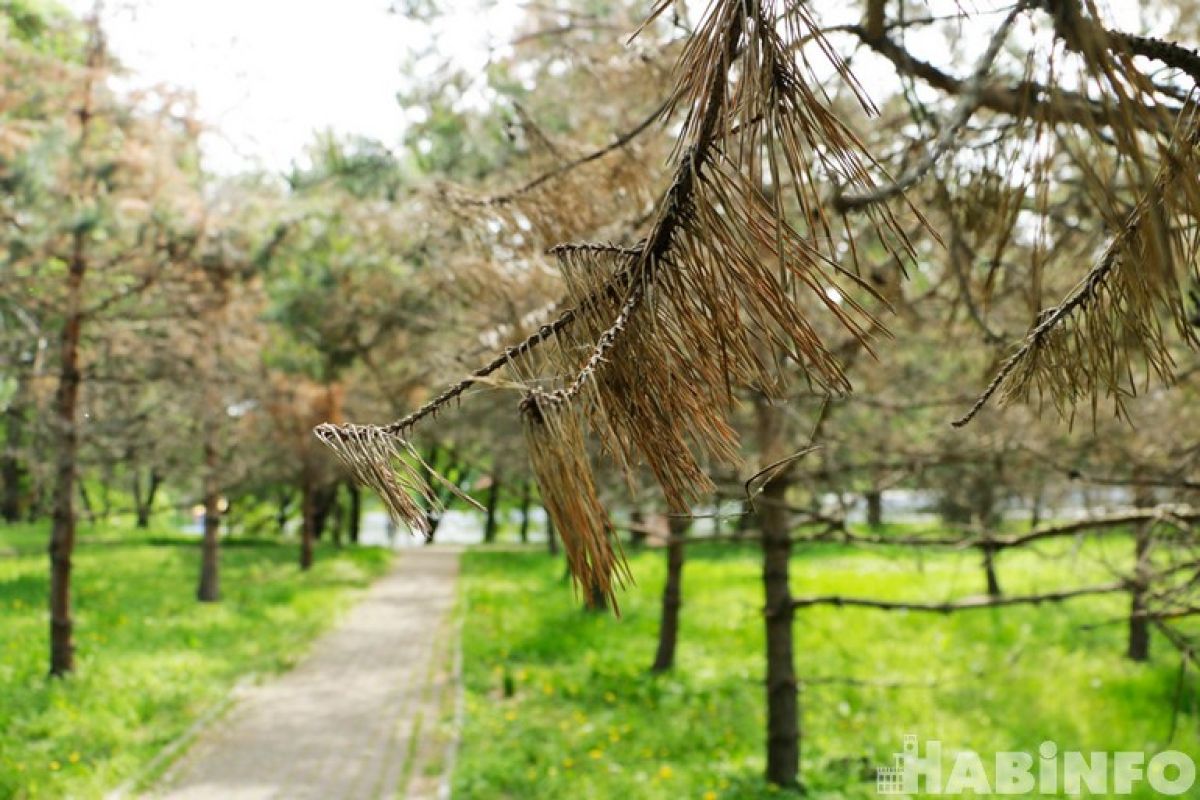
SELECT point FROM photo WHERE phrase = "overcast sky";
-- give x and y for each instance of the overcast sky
(268, 73)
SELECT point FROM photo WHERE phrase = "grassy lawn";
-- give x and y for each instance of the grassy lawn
(150, 659)
(559, 702)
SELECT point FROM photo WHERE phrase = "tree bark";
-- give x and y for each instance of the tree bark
(66, 406)
(323, 499)
(12, 471)
(355, 511)
(989, 569)
(308, 524)
(335, 514)
(144, 506)
(209, 588)
(672, 598)
(874, 500)
(783, 706)
(1139, 626)
(491, 521)
(526, 498)
(551, 536)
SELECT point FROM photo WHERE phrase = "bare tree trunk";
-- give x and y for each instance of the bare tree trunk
(209, 589)
(1035, 513)
(874, 500)
(66, 406)
(783, 706)
(551, 535)
(672, 598)
(491, 522)
(105, 495)
(1139, 625)
(335, 514)
(355, 511)
(526, 498)
(12, 471)
(144, 507)
(324, 498)
(989, 568)
(308, 525)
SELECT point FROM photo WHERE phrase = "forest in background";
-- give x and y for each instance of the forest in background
(1002, 202)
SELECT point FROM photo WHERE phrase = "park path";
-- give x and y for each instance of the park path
(356, 717)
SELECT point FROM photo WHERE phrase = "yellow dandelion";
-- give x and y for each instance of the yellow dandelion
(510, 715)
(54, 766)
(568, 763)
(710, 795)
(596, 753)
(73, 758)
(547, 689)
(665, 771)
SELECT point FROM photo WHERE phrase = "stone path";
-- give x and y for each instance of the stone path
(356, 717)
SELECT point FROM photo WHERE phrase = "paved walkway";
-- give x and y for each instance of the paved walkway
(352, 719)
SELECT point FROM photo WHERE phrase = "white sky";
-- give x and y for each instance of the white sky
(267, 74)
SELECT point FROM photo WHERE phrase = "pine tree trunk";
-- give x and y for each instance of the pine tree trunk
(874, 508)
(66, 406)
(491, 522)
(355, 511)
(783, 707)
(551, 535)
(144, 506)
(323, 499)
(526, 498)
(672, 598)
(12, 471)
(989, 568)
(209, 588)
(1139, 625)
(336, 514)
(308, 524)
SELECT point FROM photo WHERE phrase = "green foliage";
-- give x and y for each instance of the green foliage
(585, 719)
(43, 25)
(151, 660)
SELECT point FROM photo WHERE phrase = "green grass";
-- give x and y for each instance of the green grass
(150, 659)
(559, 702)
